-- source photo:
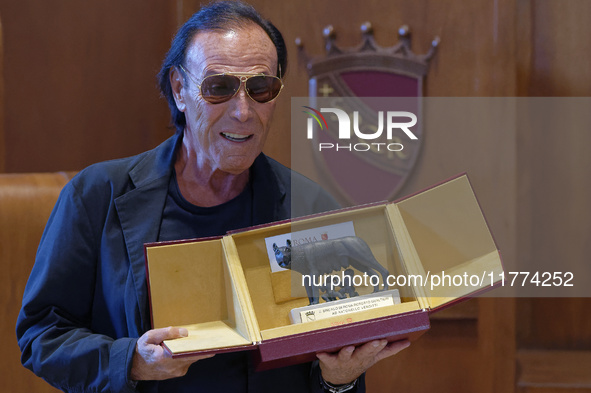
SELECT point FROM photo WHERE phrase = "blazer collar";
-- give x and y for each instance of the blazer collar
(157, 163)
(270, 202)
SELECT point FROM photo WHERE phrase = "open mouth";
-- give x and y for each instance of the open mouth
(236, 137)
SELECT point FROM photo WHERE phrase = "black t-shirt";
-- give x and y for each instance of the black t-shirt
(183, 220)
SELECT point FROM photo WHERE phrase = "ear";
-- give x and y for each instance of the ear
(275, 246)
(288, 243)
(176, 82)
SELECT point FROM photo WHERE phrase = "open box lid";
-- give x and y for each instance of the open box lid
(445, 239)
(204, 298)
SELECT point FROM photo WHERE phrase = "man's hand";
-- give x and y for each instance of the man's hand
(151, 362)
(349, 363)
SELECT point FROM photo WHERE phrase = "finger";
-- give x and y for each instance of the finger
(325, 357)
(370, 349)
(345, 353)
(156, 336)
(392, 349)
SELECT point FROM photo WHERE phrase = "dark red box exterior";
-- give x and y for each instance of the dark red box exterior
(299, 348)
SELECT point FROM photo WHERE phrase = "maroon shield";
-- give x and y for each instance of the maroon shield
(366, 171)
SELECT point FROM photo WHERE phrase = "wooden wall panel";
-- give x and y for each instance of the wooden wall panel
(419, 367)
(554, 370)
(2, 148)
(80, 80)
(554, 323)
(556, 174)
(561, 48)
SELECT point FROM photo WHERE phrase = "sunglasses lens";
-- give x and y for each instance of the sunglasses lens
(263, 88)
(216, 89)
(219, 88)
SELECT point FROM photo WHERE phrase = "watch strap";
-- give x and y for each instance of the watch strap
(329, 387)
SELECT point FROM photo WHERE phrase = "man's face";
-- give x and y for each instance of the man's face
(229, 136)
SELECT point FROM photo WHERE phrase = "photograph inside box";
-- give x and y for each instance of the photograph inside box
(385, 264)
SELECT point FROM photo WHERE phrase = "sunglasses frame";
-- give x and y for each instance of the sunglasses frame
(242, 76)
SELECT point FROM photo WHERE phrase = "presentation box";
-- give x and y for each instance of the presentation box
(225, 293)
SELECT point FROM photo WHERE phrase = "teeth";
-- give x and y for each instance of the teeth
(235, 137)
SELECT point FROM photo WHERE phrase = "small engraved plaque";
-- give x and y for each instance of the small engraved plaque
(344, 306)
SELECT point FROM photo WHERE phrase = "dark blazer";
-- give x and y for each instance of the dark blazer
(86, 300)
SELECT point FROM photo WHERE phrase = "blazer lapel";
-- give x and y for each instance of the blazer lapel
(140, 213)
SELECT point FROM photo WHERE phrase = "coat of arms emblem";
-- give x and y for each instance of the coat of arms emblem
(376, 85)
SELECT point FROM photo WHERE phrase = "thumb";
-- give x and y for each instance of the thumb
(156, 336)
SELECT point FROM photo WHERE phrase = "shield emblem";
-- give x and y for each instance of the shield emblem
(374, 82)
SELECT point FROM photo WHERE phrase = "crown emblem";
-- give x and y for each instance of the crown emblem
(310, 315)
(399, 57)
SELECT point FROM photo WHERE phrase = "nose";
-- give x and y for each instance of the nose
(242, 110)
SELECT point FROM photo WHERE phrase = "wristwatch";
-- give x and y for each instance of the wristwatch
(329, 387)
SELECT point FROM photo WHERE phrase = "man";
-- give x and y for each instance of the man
(86, 302)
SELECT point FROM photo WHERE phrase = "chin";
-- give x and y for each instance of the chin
(236, 167)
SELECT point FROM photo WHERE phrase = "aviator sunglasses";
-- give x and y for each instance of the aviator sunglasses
(218, 88)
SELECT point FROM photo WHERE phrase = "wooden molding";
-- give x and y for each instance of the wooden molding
(554, 369)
